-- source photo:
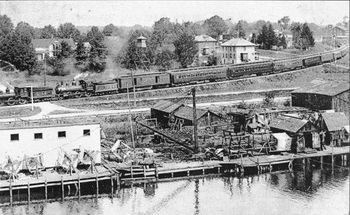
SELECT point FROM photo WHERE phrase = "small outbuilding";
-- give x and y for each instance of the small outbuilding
(303, 133)
(334, 125)
(324, 96)
(169, 114)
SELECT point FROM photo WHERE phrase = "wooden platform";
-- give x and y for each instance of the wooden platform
(264, 160)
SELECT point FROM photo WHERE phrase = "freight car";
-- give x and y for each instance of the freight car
(23, 95)
(312, 60)
(327, 57)
(143, 81)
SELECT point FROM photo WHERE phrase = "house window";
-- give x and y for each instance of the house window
(14, 137)
(86, 132)
(38, 136)
(61, 134)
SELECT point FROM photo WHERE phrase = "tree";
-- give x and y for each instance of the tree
(68, 30)
(185, 49)
(267, 37)
(271, 37)
(240, 29)
(254, 38)
(131, 56)
(164, 59)
(162, 32)
(108, 30)
(306, 37)
(25, 31)
(48, 32)
(18, 50)
(284, 23)
(302, 36)
(216, 26)
(282, 42)
(97, 57)
(6, 26)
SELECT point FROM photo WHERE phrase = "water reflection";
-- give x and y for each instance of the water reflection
(299, 192)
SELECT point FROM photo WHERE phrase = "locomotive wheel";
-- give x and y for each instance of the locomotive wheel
(11, 101)
(77, 95)
(22, 101)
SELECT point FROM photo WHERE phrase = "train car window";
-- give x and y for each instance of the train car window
(157, 79)
(135, 81)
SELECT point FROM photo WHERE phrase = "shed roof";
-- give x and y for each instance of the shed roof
(45, 43)
(186, 112)
(335, 121)
(167, 106)
(204, 38)
(289, 124)
(329, 89)
(238, 42)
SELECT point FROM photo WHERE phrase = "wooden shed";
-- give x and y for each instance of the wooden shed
(333, 124)
(170, 114)
(303, 133)
(324, 96)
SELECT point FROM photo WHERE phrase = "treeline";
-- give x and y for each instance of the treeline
(16, 47)
(169, 44)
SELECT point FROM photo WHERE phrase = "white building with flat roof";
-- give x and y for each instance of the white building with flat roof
(48, 138)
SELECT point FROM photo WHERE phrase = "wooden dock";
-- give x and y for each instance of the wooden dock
(266, 163)
(110, 176)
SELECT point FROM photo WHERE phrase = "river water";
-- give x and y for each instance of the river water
(301, 192)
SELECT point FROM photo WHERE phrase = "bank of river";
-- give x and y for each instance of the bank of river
(312, 192)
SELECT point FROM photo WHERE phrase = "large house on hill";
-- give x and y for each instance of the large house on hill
(49, 47)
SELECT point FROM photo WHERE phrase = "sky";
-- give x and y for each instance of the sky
(129, 13)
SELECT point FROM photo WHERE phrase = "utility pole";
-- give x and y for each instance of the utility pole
(195, 135)
(45, 70)
(130, 119)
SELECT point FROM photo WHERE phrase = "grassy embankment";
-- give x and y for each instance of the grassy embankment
(17, 112)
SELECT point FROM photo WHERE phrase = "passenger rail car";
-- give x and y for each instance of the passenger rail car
(168, 78)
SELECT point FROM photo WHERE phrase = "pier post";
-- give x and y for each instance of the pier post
(79, 187)
(321, 162)
(144, 172)
(62, 188)
(131, 173)
(11, 200)
(172, 174)
(258, 167)
(156, 172)
(118, 180)
(45, 189)
(270, 167)
(203, 171)
(188, 173)
(96, 186)
(219, 170)
(28, 190)
(112, 186)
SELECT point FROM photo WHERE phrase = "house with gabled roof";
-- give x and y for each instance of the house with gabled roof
(334, 125)
(49, 46)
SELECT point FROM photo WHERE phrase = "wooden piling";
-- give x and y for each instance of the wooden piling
(321, 162)
(172, 174)
(45, 189)
(28, 190)
(96, 186)
(219, 170)
(112, 186)
(203, 171)
(118, 180)
(131, 173)
(62, 188)
(144, 172)
(156, 172)
(79, 192)
(11, 200)
(188, 173)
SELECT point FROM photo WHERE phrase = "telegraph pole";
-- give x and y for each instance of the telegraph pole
(195, 135)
